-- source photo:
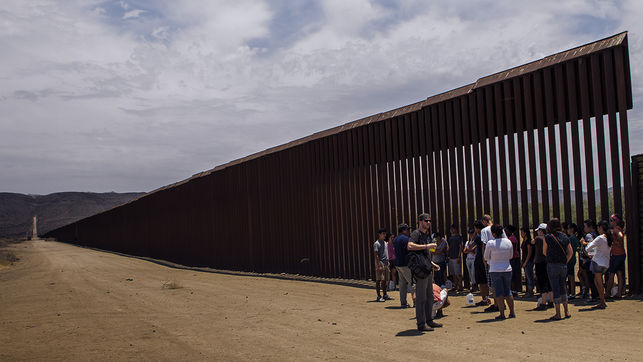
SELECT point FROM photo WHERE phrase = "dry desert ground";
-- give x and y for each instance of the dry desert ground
(63, 302)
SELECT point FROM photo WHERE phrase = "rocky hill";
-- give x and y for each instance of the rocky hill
(53, 210)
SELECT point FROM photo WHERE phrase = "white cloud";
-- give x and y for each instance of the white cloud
(133, 14)
(132, 105)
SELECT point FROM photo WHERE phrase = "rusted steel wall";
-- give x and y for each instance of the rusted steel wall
(635, 230)
(498, 146)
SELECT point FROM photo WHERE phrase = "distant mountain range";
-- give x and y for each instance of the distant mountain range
(53, 210)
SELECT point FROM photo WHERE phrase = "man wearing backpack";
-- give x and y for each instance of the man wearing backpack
(419, 244)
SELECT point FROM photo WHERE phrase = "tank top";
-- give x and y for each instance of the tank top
(617, 246)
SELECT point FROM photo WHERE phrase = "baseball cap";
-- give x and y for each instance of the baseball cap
(541, 227)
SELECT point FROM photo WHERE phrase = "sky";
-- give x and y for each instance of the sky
(133, 95)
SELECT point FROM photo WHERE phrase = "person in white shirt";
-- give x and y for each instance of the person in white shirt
(486, 235)
(600, 247)
(498, 253)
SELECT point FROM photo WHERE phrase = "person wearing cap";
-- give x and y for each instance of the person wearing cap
(400, 245)
(558, 251)
(420, 242)
(540, 264)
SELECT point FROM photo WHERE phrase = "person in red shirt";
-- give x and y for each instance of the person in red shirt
(617, 256)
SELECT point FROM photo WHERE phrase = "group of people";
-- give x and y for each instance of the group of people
(494, 260)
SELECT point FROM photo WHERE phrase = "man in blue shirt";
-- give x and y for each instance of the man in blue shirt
(400, 244)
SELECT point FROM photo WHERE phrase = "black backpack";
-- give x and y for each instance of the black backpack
(420, 265)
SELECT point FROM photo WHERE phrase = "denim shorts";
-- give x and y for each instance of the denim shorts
(501, 283)
(595, 268)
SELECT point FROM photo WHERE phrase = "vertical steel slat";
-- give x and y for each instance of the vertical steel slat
(395, 173)
(429, 163)
(484, 169)
(597, 70)
(437, 219)
(399, 150)
(564, 153)
(444, 152)
(531, 140)
(572, 106)
(502, 156)
(542, 147)
(523, 158)
(587, 135)
(389, 176)
(510, 129)
(412, 140)
(493, 153)
(476, 168)
(610, 91)
(409, 161)
(343, 205)
(621, 93)
(460, 151)
(423, 159)
(365, 211)
(467, 166)
(405, 181)
(451, 151)
(553, 149)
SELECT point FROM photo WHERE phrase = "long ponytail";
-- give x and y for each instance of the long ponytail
(605, 225)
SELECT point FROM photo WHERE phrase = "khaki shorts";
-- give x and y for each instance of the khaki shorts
(405, 274)
(384, 274)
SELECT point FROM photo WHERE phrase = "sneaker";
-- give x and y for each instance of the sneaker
(407, 305)
(439, 314)
(541, 307)
(386, 297)
(491, 308)
(380, 299)
(483, 303)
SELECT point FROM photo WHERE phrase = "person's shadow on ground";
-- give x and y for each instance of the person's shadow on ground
(409, 333)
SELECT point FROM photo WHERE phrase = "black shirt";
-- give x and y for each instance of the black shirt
(418, 237)
(479, 253)
(557, 250)
(454, 246)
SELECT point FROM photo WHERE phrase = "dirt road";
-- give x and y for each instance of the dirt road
(64, 302)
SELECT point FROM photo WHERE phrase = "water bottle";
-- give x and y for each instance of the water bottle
(469, 300)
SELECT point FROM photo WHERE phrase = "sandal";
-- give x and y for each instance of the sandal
(567, 316)
(554, 318)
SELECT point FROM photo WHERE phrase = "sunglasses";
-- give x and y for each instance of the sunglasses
(426, 220)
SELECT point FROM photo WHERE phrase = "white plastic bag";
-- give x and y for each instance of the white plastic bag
(391, 285)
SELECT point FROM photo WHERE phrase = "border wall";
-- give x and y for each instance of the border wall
(499, 145)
